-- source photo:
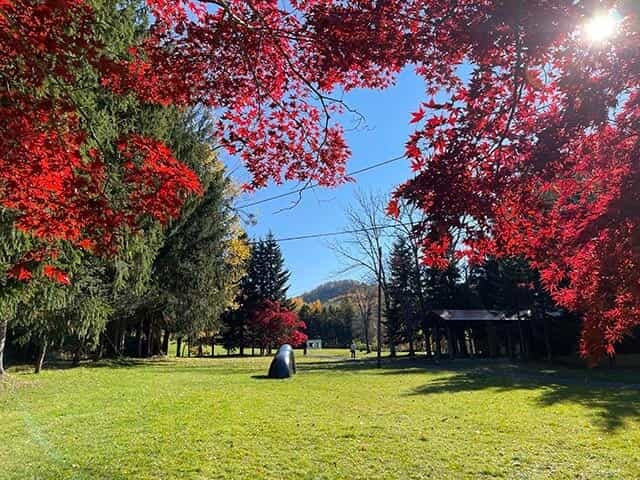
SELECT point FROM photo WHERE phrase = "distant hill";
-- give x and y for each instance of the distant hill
(331, 291)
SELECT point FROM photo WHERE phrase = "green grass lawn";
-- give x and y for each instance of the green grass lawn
(337, 419)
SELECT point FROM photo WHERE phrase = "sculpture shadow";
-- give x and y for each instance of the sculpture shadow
(611, 402)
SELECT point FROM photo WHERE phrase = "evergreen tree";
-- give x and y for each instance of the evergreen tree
(77, 306)
(502, 284)
(348, 318)
(200, 264)
(442, 287)
(179, 277)
(402, 317)
(511, 285)
(266, 280)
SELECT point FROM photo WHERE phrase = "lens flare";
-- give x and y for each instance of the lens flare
(600, 28)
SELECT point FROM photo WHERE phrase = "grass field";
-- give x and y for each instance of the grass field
(337, 419)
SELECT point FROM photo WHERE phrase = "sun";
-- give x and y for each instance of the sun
(600, 28)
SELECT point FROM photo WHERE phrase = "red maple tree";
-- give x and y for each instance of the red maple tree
(537, 154)
(273, 325)
(528, 138)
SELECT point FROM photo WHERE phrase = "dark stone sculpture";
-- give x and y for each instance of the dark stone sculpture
(283, 364)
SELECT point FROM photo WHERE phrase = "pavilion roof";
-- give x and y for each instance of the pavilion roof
(472, 315)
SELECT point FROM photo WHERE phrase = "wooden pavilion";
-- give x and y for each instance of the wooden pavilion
(488, 333)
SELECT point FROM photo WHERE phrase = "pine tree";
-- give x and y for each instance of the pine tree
(348, 319)
(266, 280)
(402, 316)
(44, 312)
(501, 283)
(442, 287)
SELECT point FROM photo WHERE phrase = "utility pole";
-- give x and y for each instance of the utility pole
(379, 360)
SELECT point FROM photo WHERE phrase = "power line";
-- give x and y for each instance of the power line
(314, 185)
(333, 234)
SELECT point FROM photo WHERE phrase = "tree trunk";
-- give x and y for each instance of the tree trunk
(121, 338)
(40, 358)
(492, 338)
(451, 348)
(165, 342)
(473, 345)
(547, 338)
(117, 338)
(3, 341)
(149, 338)
(509, 342)
(421, 299)
(366, 334)
(438, 340)
(462, 337)
(139, 331)
(100, 351)
(379, 323)
(213, 347)
(77, 354)
(523, 348)
(200, 352)
(178, 346)
(427, 338)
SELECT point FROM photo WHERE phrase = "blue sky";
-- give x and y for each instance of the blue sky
(310, 261)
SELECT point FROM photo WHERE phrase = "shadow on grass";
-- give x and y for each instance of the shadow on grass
(613, 396)
(612, 402)
(130, 362)
(109, 363)
(389, 365)
(91, 364)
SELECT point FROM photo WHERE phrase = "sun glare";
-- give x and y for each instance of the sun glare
(600, 28)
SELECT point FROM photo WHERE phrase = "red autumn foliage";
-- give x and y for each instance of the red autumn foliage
(158, 182)
(273, 325)
(55, 274)
(48, 177)
(528, 140)
(538, 154)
